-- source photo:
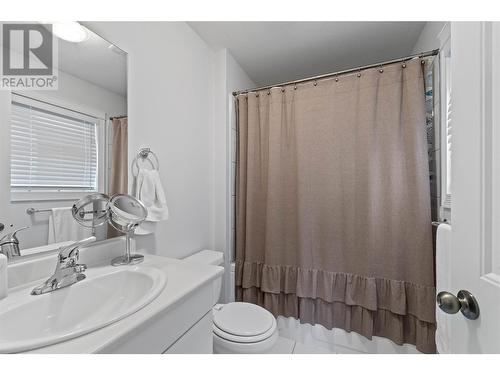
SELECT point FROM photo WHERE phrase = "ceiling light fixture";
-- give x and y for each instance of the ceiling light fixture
(70, 31)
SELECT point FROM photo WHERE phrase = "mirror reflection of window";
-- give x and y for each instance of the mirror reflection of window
(446, 125)
(54, 151)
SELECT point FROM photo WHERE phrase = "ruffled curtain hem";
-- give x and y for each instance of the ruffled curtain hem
(398, 310)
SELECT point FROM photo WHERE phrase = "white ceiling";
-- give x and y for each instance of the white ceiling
(273, 52)
(92, 60)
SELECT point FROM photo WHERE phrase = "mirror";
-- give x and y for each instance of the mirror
(122, 211)
(61, 144)
(125, 214)
(91, 211)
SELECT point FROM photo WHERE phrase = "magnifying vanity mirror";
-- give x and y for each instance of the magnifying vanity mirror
(65, 145)
(125, 214)
(91, 211)
(122, 211)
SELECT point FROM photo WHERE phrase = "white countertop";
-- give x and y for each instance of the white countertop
(184, 278)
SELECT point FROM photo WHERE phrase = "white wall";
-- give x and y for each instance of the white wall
(170, 110)
(72, 93)
(86, 96)
(428, 39)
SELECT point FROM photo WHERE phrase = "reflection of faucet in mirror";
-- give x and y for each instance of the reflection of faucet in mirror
(9, 244)
(68, 271)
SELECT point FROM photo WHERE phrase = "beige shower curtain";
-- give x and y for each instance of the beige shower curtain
(118, 179)
(118, 182)
(333, 220)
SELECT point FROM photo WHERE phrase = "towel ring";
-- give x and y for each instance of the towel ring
(145, 154)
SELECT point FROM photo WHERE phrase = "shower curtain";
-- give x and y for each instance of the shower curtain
(118, 181)
(333, 222)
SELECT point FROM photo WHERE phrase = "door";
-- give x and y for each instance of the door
(475, 179)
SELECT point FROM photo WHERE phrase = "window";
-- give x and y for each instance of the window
(54, 151)
(446, 120)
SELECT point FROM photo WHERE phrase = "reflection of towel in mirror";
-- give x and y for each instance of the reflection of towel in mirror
(63, 227)
(149, 191)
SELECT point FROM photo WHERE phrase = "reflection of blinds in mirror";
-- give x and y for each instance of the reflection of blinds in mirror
(448, 129)
(50, 150)
(448, 140)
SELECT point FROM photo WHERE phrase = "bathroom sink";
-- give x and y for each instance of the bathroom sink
(107, 295)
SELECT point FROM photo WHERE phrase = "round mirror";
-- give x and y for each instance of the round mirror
(92, 210)
(125, 214)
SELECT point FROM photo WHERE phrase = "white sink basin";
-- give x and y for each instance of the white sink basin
(107, 295)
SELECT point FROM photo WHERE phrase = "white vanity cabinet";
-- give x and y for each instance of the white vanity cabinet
(185, 329)
(198, 340)
(178, 319)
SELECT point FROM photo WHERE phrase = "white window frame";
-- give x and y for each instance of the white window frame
(66, 110)
(445, 82)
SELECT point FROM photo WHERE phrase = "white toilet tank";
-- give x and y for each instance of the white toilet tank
(212, 257)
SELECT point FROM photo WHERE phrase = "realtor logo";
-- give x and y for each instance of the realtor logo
(28, 57)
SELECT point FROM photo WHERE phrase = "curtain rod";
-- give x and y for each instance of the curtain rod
(117, 117)
(410, 57)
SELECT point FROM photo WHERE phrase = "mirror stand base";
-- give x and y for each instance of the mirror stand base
(124, 260)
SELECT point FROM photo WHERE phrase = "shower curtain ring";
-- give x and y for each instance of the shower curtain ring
(315, 83)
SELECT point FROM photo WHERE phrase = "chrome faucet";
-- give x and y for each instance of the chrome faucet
(9, 244)
(68, 271)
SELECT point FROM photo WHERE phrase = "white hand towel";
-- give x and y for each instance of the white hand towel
(63, 227)
(149, 191)
(443, 283)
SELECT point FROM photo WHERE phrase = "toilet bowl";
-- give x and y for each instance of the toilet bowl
(243, 328)
(238, 327)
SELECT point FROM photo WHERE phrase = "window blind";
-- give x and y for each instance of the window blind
(448, 130)
(51, 151)
(448, 141)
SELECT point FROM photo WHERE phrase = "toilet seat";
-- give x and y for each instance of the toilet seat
(242, 322)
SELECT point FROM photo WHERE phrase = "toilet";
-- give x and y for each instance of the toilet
(238, 327)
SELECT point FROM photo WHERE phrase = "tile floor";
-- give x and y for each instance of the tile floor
(285, 345)
(295, 337)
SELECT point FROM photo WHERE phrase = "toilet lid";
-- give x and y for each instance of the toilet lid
(246, 339)
(243, 319)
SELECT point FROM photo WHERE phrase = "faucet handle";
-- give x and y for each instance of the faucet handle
(69, 253)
